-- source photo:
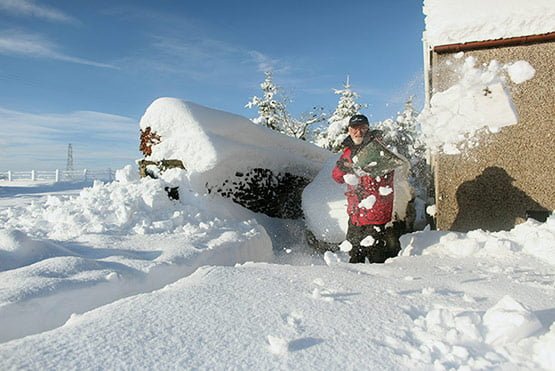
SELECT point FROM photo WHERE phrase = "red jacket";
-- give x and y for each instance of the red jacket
(380, 213)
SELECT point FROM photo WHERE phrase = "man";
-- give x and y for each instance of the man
(369, 200)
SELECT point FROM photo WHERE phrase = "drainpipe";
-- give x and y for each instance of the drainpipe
(511, 41)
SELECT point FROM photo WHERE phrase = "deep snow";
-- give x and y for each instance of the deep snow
(118, 276)
(451, 300)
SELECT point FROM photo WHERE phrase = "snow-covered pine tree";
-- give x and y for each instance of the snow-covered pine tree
(336, 131)
(301, 128)
(271, 111)
(403, 135)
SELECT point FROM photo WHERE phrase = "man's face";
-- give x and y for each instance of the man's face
(357, 133)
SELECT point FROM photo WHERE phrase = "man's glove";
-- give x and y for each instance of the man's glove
(344, 165)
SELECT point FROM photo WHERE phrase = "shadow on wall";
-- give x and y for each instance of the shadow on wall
(491, 202)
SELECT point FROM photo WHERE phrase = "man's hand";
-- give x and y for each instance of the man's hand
(344, 165)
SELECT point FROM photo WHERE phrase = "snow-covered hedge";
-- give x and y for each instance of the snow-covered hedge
(228, 154)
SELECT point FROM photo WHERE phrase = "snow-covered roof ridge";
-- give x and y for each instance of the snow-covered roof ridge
(455, 21)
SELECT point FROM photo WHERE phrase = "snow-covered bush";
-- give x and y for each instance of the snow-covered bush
(273, 113)
(333, 135)
(404, 136)
(227, 154)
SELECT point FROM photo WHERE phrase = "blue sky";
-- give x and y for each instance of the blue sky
(83, 72)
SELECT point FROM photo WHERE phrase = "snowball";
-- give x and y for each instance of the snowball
(367, 241)
(345, 246)
(509, 321)
(384, 191)
(127, 174)
(350, 179)
(278, 346)
(368, 202)
(520, 71)
(331, 258)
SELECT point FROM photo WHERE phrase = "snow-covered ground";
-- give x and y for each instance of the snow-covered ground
(95, 283)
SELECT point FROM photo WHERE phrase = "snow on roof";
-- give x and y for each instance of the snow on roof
(455, 21)
(216, 144)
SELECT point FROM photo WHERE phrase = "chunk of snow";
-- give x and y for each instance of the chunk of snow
(384, 191)
(278, 346)
(325, 206)
(350, 179)
(330, 258)
(477, 101)
(367, 241)
(509, 321)
(520, 71)
(368, 202)
(345, 246)
(127, 174)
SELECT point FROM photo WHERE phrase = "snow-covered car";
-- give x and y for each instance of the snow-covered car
(229, 155)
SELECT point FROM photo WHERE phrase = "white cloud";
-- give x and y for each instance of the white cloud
(203, 59)
(265, 63)
(39, 141)
(29, 8)
(14, 42)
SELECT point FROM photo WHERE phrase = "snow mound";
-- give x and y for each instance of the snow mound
(531, 238)
(146, 241)
(17, 249)
(127, 206)
(441, 336)
(213, 145)
(509, 321)
(453, 21)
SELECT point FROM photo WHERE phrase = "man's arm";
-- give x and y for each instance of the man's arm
(342, 167)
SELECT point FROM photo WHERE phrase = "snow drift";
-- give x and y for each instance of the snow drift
(70, 254)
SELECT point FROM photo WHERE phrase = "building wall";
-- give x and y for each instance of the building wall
(493, 185)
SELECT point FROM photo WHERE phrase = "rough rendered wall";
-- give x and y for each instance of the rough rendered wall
(491, 186)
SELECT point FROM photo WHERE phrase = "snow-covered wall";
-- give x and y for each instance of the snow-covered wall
(455, 21)
(503, 171)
